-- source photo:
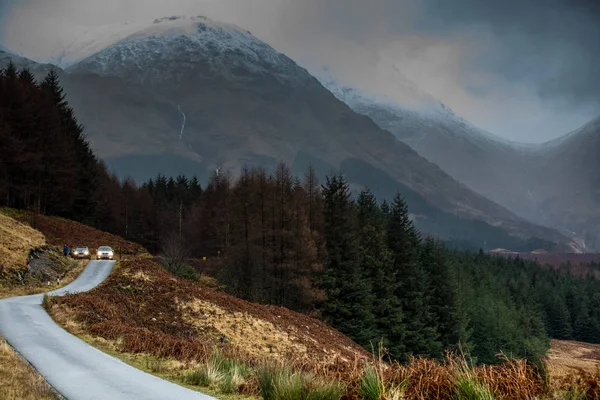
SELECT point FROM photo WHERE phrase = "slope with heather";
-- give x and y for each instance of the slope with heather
(147, 310)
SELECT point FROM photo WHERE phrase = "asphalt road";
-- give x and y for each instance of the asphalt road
(75, 369)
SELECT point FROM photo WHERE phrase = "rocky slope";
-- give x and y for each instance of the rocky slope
(188, 95)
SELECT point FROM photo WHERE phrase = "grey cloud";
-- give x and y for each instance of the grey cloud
(535, 60)
(554, 44)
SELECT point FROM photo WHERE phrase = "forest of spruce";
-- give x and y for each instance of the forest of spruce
(314, 247)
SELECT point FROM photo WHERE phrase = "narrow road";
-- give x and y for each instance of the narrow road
(74, 368)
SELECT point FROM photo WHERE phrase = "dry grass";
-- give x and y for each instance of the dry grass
(256, 336)
(16, 241)
(569, 357)
(18, 380)
(152, 312)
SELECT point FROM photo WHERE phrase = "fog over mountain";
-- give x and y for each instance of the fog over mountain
(522, 70)
(186, 95)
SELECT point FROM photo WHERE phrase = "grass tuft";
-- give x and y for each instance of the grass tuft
(370, 386)
(467, 384)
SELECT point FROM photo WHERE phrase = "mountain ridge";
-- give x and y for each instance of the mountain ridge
(528, 179)
(184, 113)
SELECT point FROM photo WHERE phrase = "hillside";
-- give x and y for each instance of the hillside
(216, 343)
(181, 319)
(30, 256)
(17, 240)
(189, 95)
(553, 184)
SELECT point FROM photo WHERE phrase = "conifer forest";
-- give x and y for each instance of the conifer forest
(314, 247)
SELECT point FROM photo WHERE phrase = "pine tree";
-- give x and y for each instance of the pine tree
(413, 283)
(448, 317)
(558, 318)
(377, 263)
(349, 300)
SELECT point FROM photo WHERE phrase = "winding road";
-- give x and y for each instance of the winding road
(75, 369)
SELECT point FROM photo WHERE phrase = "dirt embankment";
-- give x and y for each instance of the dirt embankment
(147, 310)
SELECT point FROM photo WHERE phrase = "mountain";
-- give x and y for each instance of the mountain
(568, 182)
(39, 70)
(188, 95)
(552, 184)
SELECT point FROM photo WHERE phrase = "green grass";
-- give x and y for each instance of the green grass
(575, 393)
(279, 382)
(370, 386)
(468, 387)
(220, 373)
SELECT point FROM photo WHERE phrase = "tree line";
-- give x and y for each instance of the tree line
(271, 237)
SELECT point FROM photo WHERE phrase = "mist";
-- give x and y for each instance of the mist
(522, 70)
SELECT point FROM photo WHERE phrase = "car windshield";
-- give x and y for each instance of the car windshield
(104, 248)
(81, 248)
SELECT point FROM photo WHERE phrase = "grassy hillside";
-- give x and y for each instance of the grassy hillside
(31, 251)
(153, 312)
(17, 240)
(60, 231)
(216, 343)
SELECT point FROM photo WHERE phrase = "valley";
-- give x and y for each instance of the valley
(553, 184)
(298, 213)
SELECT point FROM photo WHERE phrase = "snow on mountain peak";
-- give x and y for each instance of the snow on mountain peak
(184, 43)
(420, 110)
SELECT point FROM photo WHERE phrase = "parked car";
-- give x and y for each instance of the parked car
(105, 253)
(82, 252)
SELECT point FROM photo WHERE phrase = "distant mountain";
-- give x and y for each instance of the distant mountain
(188, 95)
(554, 184)
(39, 70)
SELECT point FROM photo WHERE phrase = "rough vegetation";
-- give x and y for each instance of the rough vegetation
(151, 311)
(210, 340)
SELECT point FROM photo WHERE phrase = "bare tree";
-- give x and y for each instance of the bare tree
(174, 254)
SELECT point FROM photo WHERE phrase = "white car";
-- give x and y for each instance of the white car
(105, 253)
(82, 252)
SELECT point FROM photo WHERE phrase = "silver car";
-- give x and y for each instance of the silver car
(105, 253)
(82, 252)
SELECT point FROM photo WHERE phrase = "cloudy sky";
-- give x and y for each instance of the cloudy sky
(524, 70)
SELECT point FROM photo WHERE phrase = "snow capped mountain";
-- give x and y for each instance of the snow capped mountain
(553, 184)
(589, 131)
(412, 119)
(170, 49)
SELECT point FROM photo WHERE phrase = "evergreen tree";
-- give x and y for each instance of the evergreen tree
(349, 299)
(448, 316)
(377, 263)
(413, 287)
